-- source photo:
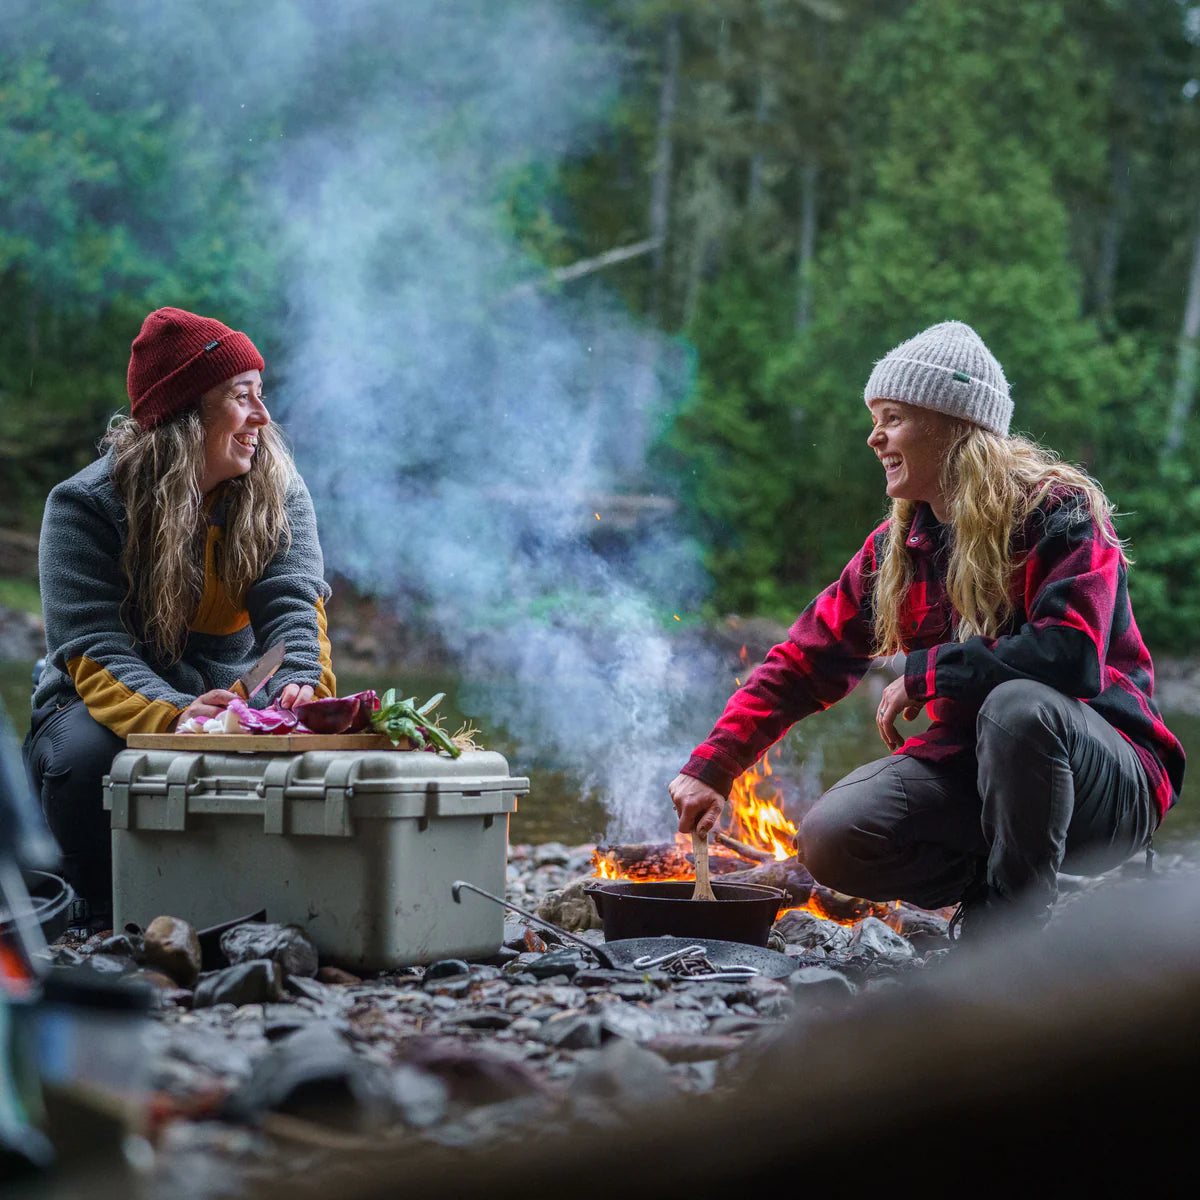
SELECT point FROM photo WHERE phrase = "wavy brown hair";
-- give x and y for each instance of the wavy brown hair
(992, 484)
(157, 473)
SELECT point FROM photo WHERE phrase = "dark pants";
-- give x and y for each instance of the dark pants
(1053, 786)
(69, 753)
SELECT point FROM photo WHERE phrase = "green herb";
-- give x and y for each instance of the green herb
(402, 719)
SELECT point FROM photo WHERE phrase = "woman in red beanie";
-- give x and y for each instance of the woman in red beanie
(167, 567)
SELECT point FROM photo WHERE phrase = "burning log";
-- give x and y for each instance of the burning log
(790, 875)
(654, 860)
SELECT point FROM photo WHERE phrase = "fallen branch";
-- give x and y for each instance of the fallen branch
(751, 853)
(586, 266)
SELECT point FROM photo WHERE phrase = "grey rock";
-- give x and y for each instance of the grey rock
(287, 945)
(481, 1018)
(571, 1031)
(247, 983)
(449, 985)
(570, 908)
(822, 982)
(173, 946)
(446, 967)
(551, 854)
(621, 1076)
(556, 962)
(873, 939)
(315, 1075)
(801, 928)
(109, 964)
(641, 1024)
(123, 945)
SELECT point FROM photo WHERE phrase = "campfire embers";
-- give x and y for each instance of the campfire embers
(755, 844)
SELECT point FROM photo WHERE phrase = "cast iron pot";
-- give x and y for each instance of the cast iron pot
(742, 912)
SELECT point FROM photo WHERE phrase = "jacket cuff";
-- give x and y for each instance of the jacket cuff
(920, 674)
(707, 771)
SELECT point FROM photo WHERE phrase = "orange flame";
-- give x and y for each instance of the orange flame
(758, 820)
(753, 817)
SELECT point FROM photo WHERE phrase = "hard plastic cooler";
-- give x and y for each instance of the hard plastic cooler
(357, 847)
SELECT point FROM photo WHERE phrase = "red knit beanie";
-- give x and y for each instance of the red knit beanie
(177, 357)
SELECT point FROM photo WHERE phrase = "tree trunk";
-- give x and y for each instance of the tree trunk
(1110, 236)
(1188, 358)
(660, 195)
(809, 175)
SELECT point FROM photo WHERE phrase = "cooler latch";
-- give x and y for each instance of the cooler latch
(340, 778)
(181, 776)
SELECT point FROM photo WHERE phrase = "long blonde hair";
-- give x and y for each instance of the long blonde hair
(992, 484)
(157, 474)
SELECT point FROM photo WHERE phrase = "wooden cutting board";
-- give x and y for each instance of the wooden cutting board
(261, 743)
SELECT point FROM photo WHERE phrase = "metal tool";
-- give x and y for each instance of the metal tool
(692, 962)
(692, 958)
(254, 679)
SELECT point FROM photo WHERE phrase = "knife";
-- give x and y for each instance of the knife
(252, 682)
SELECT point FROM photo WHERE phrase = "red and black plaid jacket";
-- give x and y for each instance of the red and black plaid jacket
(1073, 629)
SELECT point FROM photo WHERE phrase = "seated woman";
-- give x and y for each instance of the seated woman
(167, 567)
(1000, 578)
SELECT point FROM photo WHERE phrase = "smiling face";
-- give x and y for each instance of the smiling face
(232, 413)
(912, 444)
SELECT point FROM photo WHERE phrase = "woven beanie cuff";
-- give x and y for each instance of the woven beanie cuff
(181, 390)
(946, 368)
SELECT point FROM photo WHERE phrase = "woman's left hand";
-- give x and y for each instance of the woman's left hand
(293, 694)
(893, 703)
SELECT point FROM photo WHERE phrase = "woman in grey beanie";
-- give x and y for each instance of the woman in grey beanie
(999, 578)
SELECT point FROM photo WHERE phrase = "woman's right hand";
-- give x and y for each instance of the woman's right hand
(698, 805)
(207, 705)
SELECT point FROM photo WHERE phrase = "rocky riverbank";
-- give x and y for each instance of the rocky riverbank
(273, 1067)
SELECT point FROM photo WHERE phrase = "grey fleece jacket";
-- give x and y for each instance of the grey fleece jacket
(124, 683)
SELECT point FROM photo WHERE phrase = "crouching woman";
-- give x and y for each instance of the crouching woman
(167, 567)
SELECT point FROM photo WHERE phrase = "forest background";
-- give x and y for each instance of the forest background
(783, 189)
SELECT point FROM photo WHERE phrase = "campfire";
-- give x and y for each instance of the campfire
(754, 843)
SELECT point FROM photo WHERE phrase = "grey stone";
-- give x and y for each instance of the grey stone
(801, 928)
(873, 939)
(481, 1018)
(570, 908)
(315, 1075)
(820, 981)
(556, 962)
(571, 1031)
(621, 1076)
(641, 1024)
(551, 854)
(445, 967)
(287, 945)
(246, 983)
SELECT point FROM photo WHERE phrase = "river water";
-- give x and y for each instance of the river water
(817, 753)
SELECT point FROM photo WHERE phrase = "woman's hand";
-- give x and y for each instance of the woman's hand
(894, 702)
(207, 705)
(293, 694)
(697, 804)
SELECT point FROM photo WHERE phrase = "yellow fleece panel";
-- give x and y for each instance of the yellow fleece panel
(217, 613)
(328, 683)
(117, 706)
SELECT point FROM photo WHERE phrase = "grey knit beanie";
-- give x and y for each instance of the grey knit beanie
(945, 367)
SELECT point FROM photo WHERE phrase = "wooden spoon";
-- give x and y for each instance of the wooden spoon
(703, 889)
